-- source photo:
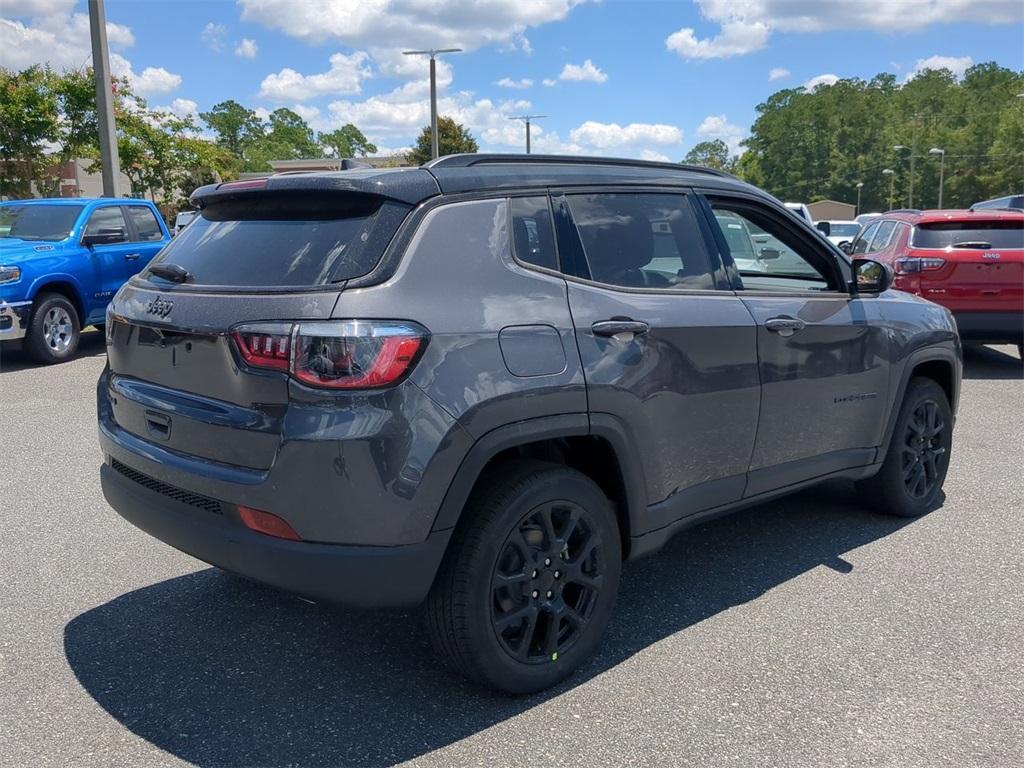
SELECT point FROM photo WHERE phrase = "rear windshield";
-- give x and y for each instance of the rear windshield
(970, 234)
(38, 222)
(284, 241)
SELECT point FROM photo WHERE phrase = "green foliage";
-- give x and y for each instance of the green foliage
(812, 146)
(347, 141)
(711, 154)
(29, 122)
(452, 139)
(235, 126)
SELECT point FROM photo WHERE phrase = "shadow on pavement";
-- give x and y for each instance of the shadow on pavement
(981, 362)
(14, 358)
(218, 671)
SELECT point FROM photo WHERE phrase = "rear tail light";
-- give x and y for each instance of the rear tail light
(342, 354)
(910, 266)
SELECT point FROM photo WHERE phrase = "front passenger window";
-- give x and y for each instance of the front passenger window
(642, 240)
(864, 240)
(108, 221)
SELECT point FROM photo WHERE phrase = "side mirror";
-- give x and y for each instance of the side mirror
(824, 227)
(770, 253)
(104, 236)
(846, 247)
(870, 276)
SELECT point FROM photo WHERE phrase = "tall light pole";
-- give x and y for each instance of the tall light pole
(860, 186)
(104, 100)
(432, 53)
(942, 168)
(526, 119)
(913, 157)
(892, 180)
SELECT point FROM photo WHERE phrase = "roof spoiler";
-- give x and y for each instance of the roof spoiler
(470, 160)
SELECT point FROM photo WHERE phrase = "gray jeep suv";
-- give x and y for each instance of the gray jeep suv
(482, 384)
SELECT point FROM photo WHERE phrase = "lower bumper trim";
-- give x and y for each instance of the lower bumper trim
(14, 317)
(363, 576)
(992, 327)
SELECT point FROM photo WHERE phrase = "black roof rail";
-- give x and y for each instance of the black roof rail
(904, 210)
(468, 160)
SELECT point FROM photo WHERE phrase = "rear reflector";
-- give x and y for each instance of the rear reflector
(264, 522)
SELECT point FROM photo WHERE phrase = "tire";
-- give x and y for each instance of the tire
(506, 580)
(911, 478)
(54, 330)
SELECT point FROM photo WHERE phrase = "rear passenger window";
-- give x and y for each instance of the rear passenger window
(146, 227)
(642, 240)
(532, 232)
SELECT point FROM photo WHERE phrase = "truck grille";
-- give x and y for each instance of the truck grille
(185, 497)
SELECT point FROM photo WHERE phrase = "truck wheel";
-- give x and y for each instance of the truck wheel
(915, 466)
(529, 582)
(54, 330)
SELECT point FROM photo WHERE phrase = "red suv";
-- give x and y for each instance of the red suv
(971, 262)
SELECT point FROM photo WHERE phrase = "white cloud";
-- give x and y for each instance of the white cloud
(820, 80)
(955, 64)
(650, 154)
(416, 23)
(247, 48)
(508, 82)
(345, 76)
(549, 81)
(746, 25)
(213, 36)
(180, 108)
(151, 81)
(583, 73)
(719, 127)
(610, 135)
(46, 32)
(778, 73)
(735, 39)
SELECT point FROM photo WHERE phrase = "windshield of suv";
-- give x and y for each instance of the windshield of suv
(970, 234)
(38, 222)
(283, 241)
(844, 230)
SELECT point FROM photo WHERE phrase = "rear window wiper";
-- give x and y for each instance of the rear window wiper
(972, 244)
(172, 272)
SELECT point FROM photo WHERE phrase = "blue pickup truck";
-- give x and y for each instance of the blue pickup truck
(61, 261)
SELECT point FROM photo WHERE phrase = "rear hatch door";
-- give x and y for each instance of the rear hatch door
(176, 376)
(984, 263)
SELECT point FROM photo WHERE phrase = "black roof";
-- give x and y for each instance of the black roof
(474, 172)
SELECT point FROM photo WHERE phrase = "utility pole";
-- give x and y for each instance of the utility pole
(860, 186)
(526, 119)
(892, 181)
(942, 168)
(432, 53)
(913, 156)
(104, 100)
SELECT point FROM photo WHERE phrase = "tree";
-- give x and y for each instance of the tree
(453, 139)
(289, 138)
(347, 141)
(29, 121)
(711, 154)
(234, 125)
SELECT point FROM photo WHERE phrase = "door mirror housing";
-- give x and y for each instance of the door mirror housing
(824, 227)
(770, 253)
(846, 247)
(870, 277)
(105, 236)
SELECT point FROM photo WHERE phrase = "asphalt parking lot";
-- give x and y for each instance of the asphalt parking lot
(801, 633)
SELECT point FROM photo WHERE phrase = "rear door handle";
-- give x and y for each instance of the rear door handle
(132, 256)
(784, 326)
(619, 325)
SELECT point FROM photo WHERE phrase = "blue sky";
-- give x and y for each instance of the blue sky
(640, 78)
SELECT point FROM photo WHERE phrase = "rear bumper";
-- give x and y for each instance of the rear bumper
(14, 318)
(1007, 327)
(365, 576)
